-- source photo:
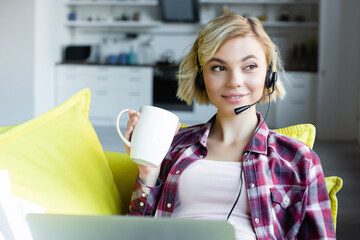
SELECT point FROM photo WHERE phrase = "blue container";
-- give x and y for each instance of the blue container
(123, 59)
(72, 16)
(112, 59)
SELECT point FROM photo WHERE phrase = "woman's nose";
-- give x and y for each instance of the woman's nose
(235, 79)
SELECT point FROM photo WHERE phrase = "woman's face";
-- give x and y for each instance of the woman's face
(235, 75)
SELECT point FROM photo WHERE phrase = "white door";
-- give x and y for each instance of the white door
(328, 66)
(338, 70)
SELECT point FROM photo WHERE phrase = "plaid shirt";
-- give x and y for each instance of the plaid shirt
(283, 177)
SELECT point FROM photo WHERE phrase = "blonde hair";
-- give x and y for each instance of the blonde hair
(209, 40)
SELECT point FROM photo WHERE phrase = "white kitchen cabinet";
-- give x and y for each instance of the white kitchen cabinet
(299, 105)
(113, 88)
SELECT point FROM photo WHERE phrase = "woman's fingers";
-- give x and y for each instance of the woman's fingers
(133, 119)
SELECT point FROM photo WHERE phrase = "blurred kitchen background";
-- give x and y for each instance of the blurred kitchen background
(127, 52)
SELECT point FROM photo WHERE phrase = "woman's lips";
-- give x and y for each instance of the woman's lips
(234, 98)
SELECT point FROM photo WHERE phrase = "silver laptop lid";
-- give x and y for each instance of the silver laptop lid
(110, 227)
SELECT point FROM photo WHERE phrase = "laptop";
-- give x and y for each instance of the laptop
(111, 227)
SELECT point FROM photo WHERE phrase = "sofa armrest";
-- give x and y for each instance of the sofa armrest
(125, 173)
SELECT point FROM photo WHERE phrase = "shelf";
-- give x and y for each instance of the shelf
(176, 28)
(113, 3)
(124, 24)
(254, 2)
(279, 24)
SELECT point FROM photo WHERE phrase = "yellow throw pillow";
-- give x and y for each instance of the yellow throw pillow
(125, 173)
(333, 185)
(302, 132)
(57, 161)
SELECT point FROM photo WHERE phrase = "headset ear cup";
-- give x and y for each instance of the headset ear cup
(271, 78)
(274, 78)
(268, 80)
(200, 81)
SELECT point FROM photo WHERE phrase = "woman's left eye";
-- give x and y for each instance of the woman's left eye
(218, 68)
(250, 67)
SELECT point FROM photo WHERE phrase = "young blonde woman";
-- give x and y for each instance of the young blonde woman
(233, 168)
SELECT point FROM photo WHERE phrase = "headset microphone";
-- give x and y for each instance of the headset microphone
(243, 108)
(271, 78)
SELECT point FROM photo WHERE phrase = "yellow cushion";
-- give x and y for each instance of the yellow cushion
(302, 132)
(333, 185)
(125, 174)
(56, 161)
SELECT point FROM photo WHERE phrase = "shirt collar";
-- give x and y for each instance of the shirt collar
(200, 134)
(259, 141)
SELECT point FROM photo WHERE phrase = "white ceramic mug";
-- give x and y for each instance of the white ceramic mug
(152, 135)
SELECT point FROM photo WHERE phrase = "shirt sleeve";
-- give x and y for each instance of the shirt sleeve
(144, 199)
(317, 223)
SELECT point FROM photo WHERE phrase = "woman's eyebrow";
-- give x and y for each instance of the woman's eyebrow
(214, 59)
(217, 60)
(248, 57)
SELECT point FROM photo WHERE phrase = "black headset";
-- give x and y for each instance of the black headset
(199, 81)
(270, 79)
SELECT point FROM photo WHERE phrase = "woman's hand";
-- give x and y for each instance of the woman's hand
(147, 175)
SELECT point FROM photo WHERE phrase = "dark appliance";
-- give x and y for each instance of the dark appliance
(81, 53)
(180, 10)
(165, 88)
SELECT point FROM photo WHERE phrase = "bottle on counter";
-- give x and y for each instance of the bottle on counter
(131, 57)
(146, 53)
(123, 58)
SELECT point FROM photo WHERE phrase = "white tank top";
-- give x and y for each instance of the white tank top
(208, 189)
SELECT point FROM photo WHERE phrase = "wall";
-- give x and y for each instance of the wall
(49, 35)
(338, 87)
(16, 61)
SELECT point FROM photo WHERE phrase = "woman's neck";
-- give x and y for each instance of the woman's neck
(232, 129)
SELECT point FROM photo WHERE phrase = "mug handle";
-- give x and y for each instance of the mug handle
(127, 143)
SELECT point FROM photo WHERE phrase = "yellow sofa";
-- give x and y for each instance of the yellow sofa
(56, 161)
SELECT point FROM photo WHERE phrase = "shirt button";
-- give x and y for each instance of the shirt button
(168, 205)
(177, 172)
(143, 194)
(142, 204)
(245, 153)
(257, 220)
(252, 185)
(201, 156)
(286, 201)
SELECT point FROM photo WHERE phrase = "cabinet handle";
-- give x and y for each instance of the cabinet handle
(102, 93)
(135, 69)
(134, 94)
(102, 69)
(102, 78)
(135, 79)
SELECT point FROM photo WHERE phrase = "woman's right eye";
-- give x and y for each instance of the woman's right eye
(218, 68)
